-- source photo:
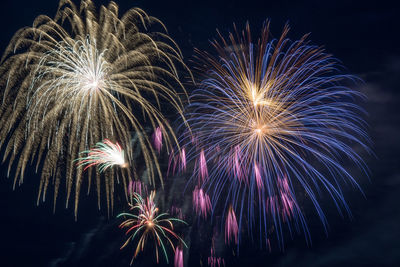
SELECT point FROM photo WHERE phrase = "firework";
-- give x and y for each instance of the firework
(183, 159)
(149, 224)
(177, 212)
(85, 75)
(105, 155)
(177, 161)
(201, 202)
(268, 109)
(157, 139)
(178, 261)
(213, 260)
(231, 227)
(203, 171)
(137, 187)
(287, 202)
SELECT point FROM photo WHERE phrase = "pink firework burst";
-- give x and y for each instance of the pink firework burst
(136, 186)
(257, 175)
(201, 202)
(287, 201)
(237, 167)
(183, 159)
(177, 161)
(177, 212)
(157, 139)
(178, 262)
(203, 172)
(215, 261)
(231, 227)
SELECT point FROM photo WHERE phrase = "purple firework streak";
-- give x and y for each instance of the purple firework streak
(157, 139)
(231, 227)
(201, 202)
(178, 260)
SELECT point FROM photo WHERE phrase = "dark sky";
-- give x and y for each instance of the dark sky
(364, 35)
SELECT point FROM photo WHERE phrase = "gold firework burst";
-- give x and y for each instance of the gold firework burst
(86, 75)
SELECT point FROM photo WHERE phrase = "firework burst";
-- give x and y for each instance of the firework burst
(157, 139)
(86, 75)
(105, 155)
(231, 227)
(268, 109)
(201, 202)
(178, 260)
(149, 224)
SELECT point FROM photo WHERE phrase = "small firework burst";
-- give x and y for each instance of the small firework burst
(136, 186)
(213, 260)
(177, 161)
(231, 227)
(148, 224)
(105, 155)
(201, 202)
(157, 139)
(178, 260)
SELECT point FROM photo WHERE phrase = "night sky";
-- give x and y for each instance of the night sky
(362, 34)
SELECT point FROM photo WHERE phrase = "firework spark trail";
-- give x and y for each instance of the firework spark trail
(177, 212)
(157, 139)
(231, 227)
(105, 155)
(183, 159)
(201, 202)
(213, 260)
(267, 109)
(149, 224)
(287, 201)
(86, 75)
(178, 262)
(258, 177)
(136, 186)
(172, 163)
(237, 167)
(203, 172)
(177, 161)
